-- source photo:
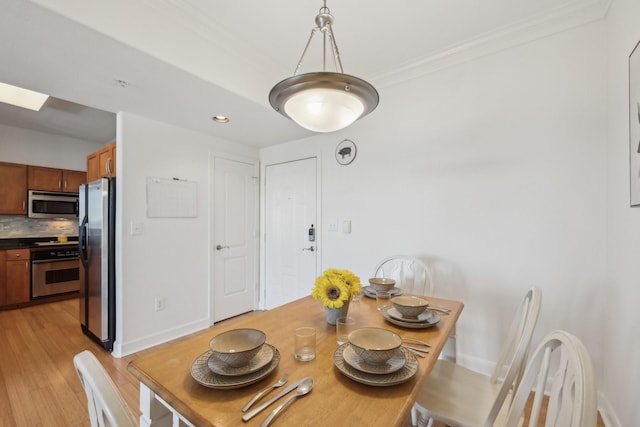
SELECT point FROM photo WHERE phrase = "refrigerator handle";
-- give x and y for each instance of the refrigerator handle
(82, 241)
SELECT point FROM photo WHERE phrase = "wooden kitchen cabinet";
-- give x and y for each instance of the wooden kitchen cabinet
(102, 163)
(108, 161)
(13, 189)
(52, 179)
(71, 180)
(3, 278)
(18, 276)
(93, 167)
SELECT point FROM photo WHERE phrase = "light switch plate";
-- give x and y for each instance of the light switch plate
(136, 228)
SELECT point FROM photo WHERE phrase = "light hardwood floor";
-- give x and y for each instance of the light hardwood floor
(38, 383)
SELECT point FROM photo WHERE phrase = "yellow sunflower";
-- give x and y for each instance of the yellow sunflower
(335, 287)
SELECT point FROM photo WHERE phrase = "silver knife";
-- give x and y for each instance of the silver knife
(249, 415)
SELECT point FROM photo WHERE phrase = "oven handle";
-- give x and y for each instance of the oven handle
(82, 241)
(42, 261)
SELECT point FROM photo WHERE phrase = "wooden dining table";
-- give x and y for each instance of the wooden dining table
(168, 391)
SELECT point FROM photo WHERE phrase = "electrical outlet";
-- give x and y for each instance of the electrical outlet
(333, 226)
(159, 304)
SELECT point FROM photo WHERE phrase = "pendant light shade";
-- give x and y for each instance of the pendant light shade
(323, 101)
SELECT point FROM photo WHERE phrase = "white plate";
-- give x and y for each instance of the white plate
(369, 292)
(422, 317)
(395, 363)
(203, 375)
(260, 360)
(380, 380)
(433, 319)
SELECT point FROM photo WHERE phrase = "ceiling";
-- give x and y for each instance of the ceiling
(183, 61)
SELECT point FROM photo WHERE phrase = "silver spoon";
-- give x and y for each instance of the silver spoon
(280, 383)
(304, 388)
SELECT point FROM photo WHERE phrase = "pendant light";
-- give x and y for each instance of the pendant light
(323, 101)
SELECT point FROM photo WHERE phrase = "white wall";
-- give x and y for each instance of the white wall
(622, 317)
(493, 171)
(30, 147)
(171, 258)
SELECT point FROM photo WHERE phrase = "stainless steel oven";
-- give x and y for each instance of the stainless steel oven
(55, 269)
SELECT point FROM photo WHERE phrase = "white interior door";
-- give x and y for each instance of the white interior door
(290, 211)
(235, 238)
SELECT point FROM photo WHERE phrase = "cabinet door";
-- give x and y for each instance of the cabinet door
(104, 156)
(112, 166)
(3, 278)
(44, 179)
(13, 189)
(71, 180)
(18, 276)
(107, 162)
(93, 167)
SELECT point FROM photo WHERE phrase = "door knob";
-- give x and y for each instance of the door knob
(218, 247)
(310, 248)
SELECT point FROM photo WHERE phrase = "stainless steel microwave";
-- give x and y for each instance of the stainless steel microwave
(44, 204)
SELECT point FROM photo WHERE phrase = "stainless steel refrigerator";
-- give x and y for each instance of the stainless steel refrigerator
(96, 241)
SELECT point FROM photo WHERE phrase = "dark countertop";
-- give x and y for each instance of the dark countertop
(30, 242)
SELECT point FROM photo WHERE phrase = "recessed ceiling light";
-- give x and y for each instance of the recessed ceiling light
(23, 98)
(220, 119)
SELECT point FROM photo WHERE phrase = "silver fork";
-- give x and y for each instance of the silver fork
(416, 352)
(261, 393)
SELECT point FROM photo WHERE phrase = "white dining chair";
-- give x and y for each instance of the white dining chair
(459, 396)
(413, 276)
(573, 393)
(106, 406)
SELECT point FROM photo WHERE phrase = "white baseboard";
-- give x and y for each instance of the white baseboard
(475, 364)
(124, 349)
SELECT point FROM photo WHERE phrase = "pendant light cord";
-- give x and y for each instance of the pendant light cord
(324, 21)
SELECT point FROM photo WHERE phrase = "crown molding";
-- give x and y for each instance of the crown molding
(556, 21)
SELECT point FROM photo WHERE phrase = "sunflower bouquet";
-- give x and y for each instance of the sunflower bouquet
(335, 287)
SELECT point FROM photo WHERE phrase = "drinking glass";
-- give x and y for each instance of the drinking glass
(383, 299)
(344, 326)
(305, 344)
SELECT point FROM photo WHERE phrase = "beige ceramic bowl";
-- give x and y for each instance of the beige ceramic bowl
(381, 284)
(238, 346)
(409, 306)
(375, 345)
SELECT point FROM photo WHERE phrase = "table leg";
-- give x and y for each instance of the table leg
(158, 413)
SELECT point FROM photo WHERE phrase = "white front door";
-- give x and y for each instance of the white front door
(290, 214)
(235, 238)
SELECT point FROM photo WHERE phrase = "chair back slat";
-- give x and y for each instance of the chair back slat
(573, 394)
(411, 274)
(105, 405)
(514, 352)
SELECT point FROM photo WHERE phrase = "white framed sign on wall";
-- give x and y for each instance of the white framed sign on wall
(346, 152)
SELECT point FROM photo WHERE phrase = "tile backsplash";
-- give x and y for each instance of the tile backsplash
(16, 226)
